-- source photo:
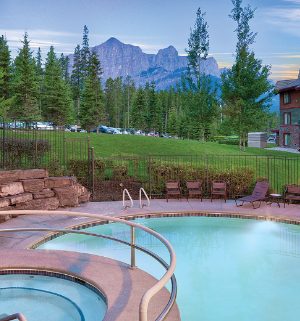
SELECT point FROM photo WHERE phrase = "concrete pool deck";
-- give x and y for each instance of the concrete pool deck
(123, 297)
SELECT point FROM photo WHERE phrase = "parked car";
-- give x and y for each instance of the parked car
(140, 132)
(44, 126)
(116, 131)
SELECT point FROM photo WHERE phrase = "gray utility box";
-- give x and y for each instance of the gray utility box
(257, 140)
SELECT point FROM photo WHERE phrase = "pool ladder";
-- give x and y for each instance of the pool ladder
(141, 193)
(16, 316)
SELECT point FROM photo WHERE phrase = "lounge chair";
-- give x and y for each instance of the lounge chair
(194, 188)
(218, 188)
(172, 189)
(259, 194)
(291, 193)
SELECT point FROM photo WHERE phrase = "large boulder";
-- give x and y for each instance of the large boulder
(67, 196)
(54, 182)
(21, 198)
(51, 203)
(33, 185)
(45, 193)
(13, 188)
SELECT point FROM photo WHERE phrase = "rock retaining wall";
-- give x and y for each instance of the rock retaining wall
(33, 189)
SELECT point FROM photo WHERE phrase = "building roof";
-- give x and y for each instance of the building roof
(283, 85)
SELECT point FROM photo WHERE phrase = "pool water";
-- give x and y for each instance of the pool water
(48, 298)
(227, 269)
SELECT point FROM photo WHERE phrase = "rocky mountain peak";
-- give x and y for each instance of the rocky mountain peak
(164, 68)
(169, 51)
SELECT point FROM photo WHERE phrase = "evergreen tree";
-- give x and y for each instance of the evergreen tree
(246, 91)
(138, 111)
(85, 52)
(151, 116)
(56, 99)
(114, 101)
(25, 85)
(128, 92)
(64, 63)
(5, 65)
(92, 103)
(40, 76)
(5, 103)
(198, 43)
(76, 81)
(200, 98)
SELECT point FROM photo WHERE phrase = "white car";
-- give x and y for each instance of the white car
(44, 126)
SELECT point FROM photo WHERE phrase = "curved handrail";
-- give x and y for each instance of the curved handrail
(140, 197)
(143, 308)
(125, 191)
(18, 316)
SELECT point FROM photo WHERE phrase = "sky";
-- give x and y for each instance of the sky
(156, 24)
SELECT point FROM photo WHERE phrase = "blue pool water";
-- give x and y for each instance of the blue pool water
(49, 298)
(227, 269)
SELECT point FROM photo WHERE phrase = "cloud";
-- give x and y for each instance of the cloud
(293, 1)
(285, 17)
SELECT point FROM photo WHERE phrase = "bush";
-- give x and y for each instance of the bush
(229, 141)
(19, 150)
(239, 180)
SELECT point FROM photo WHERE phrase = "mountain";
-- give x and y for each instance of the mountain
(164, 68)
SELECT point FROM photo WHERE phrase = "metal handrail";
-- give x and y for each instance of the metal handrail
(16, 316)
(140, 197)
(170, 268)
(125, 191)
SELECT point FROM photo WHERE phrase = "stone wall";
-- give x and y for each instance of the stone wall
(33, 189)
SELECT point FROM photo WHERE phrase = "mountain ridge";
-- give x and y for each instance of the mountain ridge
(164, 68)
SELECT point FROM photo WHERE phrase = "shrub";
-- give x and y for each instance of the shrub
(19, 150)
(239, 180)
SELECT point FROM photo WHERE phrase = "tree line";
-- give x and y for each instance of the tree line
(32, 89)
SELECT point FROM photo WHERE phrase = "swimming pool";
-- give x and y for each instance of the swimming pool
(227, 269)
(41, 297)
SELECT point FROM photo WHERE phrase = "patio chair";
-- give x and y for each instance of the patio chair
(291, 193)
(218, 188)
(173, 189)
(194, 188)
(259, 194)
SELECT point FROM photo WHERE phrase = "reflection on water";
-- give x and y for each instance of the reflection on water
(227, 269)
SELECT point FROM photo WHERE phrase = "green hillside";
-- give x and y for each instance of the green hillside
(129, 145)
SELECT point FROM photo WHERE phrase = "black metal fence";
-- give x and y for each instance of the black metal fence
(151, 172)
(30, 145)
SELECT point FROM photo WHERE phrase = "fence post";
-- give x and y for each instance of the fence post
(149, 171)
(93, 170)
(3, 144)
(132, 243)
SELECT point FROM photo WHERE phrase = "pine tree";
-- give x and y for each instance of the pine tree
(5, 103)
(40, 76)
(246, 91)
(92, 101)
(56, 99)
(76, 81)
(128, 92)
(151, 120)
(64, 64)
(85, 52)
(25, 86)
(198, 43)
(138, 111)
(200, 97)
(5, 65)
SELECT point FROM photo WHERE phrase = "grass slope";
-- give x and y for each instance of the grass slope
(115, 145)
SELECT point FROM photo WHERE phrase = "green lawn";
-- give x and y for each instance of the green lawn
(114, 145)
